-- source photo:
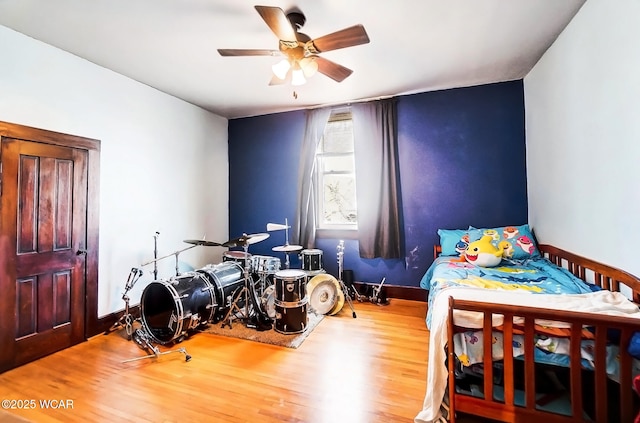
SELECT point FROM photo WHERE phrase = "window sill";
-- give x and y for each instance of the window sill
(337, 233)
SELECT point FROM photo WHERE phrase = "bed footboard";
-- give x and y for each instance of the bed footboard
(599, 405)
(589, 394)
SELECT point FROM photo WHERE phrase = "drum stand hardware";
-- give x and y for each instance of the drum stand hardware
(376, 295)
(175, 253)
(248, 290)
(194, 242)
(126, 320)
(347, 295)
(286, 248)
(143, 340)
(243, 293)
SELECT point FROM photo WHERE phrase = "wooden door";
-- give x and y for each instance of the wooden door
(43, 209)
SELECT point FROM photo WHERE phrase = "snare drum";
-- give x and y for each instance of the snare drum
(265, 265)
(311, 260)
(268, 301)
(171, 308)
(240, 257)
(291, 286)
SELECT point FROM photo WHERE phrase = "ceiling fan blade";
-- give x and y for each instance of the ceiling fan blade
(248, 52)
(277, 20)
(333, 70)
(348, 37)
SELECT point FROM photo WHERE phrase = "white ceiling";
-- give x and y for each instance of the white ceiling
(416, 45)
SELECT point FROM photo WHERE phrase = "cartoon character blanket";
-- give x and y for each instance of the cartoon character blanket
(538, 276)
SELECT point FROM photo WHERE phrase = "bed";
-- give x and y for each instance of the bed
(539, 304)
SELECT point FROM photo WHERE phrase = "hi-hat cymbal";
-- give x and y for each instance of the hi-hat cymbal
(202, 242)
(246, 240)
(287, 248)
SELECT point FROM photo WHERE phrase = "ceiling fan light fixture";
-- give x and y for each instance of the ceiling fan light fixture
(309, 66)
(281, 68)
(297, 76)
(302, 53)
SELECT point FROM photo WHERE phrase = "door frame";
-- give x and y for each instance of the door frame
(92, 325)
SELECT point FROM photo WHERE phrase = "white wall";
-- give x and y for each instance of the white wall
(583, 136)
(164, 162)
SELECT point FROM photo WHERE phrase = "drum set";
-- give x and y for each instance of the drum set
(253, 289)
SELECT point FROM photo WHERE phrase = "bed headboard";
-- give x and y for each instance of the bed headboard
(604, 276)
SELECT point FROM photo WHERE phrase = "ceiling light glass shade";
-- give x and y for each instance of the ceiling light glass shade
(309, 66)
(297, 77)
(281, 68)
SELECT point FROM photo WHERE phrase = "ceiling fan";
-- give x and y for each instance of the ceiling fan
(301, 53)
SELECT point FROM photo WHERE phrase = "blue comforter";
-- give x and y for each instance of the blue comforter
(534, 276)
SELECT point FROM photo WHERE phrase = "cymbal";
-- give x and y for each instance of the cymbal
(246, 240)
(276, 227)
(202, 242)
(287, 248)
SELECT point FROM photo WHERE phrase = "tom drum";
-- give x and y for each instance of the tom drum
(265, 264)
(240, 257)
(291, 286)
(311, 260)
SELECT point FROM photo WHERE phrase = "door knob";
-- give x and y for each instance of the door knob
(81, 252)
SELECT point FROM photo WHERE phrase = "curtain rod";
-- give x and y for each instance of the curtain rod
(349, 103)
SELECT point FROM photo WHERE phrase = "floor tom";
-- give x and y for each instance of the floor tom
(291, 319)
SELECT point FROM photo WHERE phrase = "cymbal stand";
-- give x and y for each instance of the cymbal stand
(175, 253)
(126, 320)
(244, 292)
(345, 291)
(142, 339)
(155, 255)
(286, 242)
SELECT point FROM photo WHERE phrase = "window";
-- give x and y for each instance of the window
(336, 175)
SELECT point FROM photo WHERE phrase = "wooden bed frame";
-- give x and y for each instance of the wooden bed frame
(621, 403)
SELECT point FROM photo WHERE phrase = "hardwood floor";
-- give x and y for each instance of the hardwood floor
(368, 369)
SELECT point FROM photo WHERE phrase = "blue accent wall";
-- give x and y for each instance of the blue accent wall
(462, 162)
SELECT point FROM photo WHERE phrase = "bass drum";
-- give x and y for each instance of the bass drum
(225, 278)
(170, 309)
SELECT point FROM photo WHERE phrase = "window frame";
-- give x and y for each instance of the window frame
(347, 231)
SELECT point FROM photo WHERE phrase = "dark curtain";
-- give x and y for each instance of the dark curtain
(304, 227)
(377, 179)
